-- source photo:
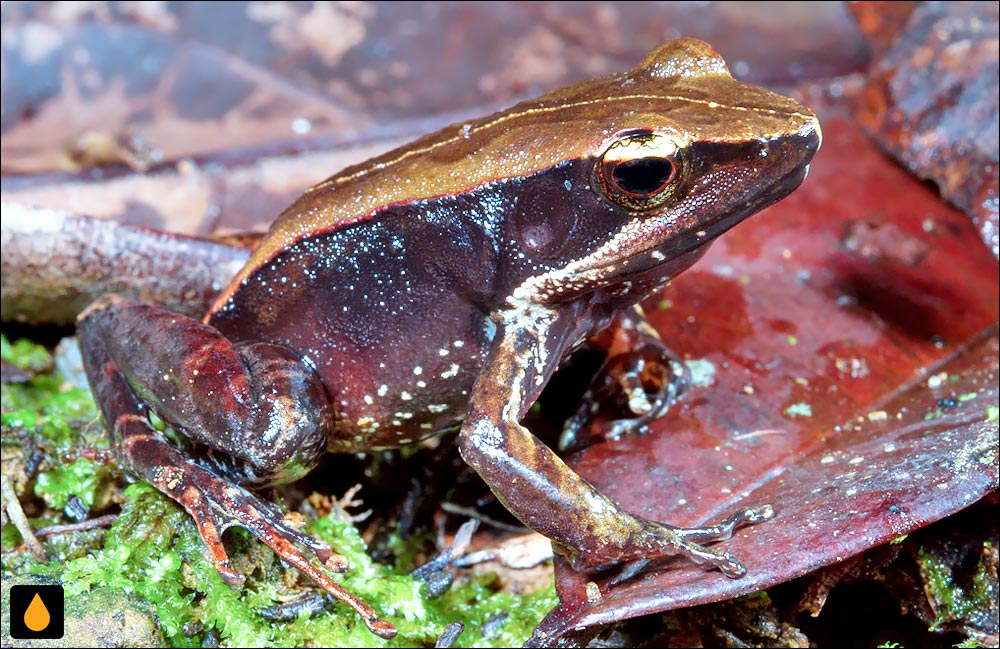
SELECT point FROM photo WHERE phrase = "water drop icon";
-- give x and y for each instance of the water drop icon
(36, 617)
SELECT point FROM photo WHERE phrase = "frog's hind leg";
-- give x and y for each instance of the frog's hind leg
(255, 413)
(637, 383)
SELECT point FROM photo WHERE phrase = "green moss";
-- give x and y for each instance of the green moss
(153, 552)
(61, 419)
(25, 354)
(79, 478)
(955, 601)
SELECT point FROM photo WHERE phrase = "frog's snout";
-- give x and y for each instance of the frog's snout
(812, 133)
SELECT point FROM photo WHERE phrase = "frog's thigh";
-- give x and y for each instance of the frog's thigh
(258, 404)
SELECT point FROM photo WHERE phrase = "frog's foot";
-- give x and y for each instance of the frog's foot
(659, 540)
(217, 505)
(630, 390)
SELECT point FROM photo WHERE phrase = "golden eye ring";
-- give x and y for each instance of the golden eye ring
(640, 170)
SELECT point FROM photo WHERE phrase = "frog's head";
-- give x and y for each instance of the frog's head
(685, 153)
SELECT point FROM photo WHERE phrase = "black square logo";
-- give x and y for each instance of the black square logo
(36, 612)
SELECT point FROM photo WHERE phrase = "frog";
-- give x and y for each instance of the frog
(437, 288)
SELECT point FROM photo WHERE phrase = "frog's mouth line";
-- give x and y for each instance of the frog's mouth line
(687, 241)
(639, 239)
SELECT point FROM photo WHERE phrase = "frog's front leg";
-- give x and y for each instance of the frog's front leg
(256, 414)
(638, 381)
(540, 489)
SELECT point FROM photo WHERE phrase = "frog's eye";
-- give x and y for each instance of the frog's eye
(639, 171)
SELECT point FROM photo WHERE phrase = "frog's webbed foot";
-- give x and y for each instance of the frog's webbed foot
(637, 384)
(216, 505)
(220, 396)
(688, 541)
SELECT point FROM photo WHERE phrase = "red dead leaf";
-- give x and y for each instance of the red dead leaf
(855, 352)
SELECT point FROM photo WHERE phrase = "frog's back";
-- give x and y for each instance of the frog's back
(389, 311)
(682, 86)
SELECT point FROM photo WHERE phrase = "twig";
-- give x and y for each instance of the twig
(13, 507)
(82, 526)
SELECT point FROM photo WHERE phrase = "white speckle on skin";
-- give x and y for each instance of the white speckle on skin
(437, 407)
(487, 438)
(405, 396)
(369, 400)
(452, 371)
(442, 352)
(530, 316)
(458, 343)
(418, 370)
(383, 390)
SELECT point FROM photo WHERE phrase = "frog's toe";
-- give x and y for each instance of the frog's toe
(216, 505)
(234, 578)
(729, 565)
(687, 541)
(725, 529)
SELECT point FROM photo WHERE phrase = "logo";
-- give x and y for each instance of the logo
(36, 612)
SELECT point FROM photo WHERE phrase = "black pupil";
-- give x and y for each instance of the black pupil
(643, 176)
